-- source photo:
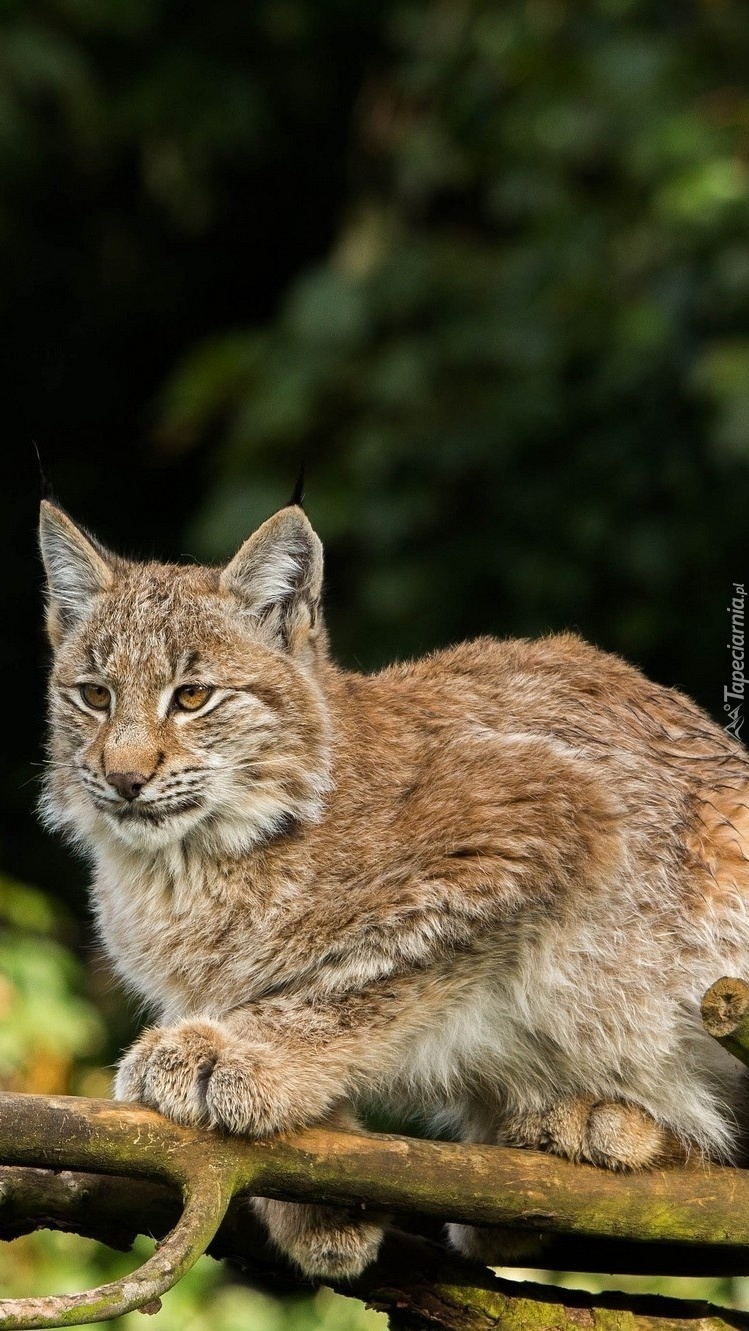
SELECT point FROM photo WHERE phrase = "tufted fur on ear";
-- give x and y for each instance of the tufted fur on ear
(77, 571)
(277, 577)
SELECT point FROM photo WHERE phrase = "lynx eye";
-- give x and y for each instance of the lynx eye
(190, 697)
(96, 696)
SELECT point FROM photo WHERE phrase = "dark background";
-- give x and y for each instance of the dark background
(485, 266)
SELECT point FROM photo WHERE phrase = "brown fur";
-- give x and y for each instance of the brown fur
(489, 886)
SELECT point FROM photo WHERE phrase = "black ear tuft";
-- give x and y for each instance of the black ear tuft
(45, 485)
(297, 498)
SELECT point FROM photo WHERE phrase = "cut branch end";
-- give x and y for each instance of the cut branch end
(724, 1006)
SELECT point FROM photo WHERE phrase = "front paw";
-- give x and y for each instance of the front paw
(197, 1074)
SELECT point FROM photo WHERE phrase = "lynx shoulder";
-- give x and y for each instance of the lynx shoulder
(489, 886)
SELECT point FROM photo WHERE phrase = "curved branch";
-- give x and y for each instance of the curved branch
(205, 1206)
(420, 1285)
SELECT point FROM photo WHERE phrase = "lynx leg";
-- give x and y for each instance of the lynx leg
(492, 1246)
(496, 1246)
(325, 1242)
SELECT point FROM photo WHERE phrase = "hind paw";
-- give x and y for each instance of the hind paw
(612, 1133)
(324, 1242)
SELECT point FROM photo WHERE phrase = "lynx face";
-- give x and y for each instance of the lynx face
(183, 700)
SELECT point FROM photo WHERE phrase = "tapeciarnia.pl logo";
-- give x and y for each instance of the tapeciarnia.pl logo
(733, 696)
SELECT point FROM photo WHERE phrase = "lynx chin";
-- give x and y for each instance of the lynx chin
(487, 887)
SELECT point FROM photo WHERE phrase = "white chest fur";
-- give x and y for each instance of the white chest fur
(176, 935)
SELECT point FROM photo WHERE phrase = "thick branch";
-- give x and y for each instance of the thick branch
(112, 1210)
(475, 1184)
(420, 1285)
(116, 1210)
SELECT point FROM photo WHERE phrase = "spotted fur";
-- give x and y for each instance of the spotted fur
(487, 887)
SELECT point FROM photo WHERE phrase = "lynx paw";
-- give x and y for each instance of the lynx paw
(198, 1075)
(611, 1133)
(324, 1242)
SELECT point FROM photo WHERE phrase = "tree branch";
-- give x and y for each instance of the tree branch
(418, 1283)
(112, 1210)
(204, 1209)
(485, 1185)
(725, 1015)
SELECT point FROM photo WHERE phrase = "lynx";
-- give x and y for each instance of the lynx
(487, 888)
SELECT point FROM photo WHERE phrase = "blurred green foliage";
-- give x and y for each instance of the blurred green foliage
(49, 1029)
(205, 1300)
(521, 374)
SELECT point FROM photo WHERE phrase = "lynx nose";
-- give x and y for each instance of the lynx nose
(127, 784)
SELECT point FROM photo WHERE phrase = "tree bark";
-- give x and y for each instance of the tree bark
(417, 1282)
(485, 1185)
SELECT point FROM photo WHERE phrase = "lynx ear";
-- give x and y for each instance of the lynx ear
(277, 574)
(77, 571)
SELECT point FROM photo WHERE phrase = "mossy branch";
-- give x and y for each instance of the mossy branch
(204, 1209)
(418, 1282)
(485, 1185)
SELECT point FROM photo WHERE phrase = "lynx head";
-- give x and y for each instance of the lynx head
(186, 702)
